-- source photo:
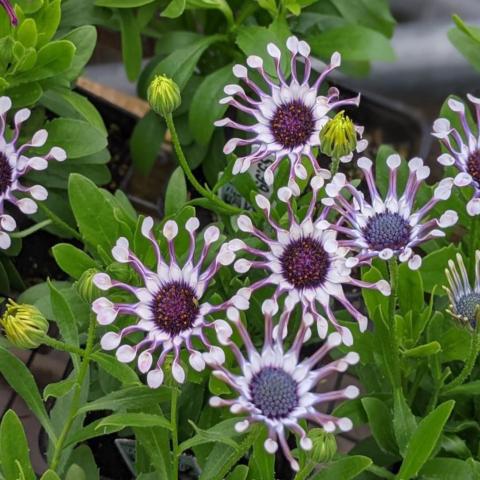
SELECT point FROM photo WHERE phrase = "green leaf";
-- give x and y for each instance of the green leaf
(27, 33)
(14, 451)
(48, 20)
(64, 316)
(205, 107)
(146, 141)
(90, 431)
(374, 14)
(138, 420)
(77, 137)
(84, 38)
(240, 472)
(59, 389)
(404, 423)
(131, 44)
(223, 458)
(466, 39)
(50, 475)
(113, 367)
(433, 268)
(83, 456)
(223, 432)
(380, 423)
(176, 194)
(373, 298)
(346, 468)
(174, 9)
(179, 65)
(253, 40)
(431, 348)
(75, 472)
(122, 3)
(52, 59)
(470, 389)
(135, 397)
(72, 260)
(447, 469)
(21, 380)
(424, 440)
(93, 213)
(354, 42)
(71, 104)
(410, 290)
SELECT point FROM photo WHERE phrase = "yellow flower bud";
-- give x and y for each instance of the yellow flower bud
(338, 137)
(324, 445)
(163, 95)
(86, 289)
(24, 325)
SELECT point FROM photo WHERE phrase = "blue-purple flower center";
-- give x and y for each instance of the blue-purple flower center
(292, 124)
(467, 305)
(274, 392)
(473, 165)
(387, 230)
(305, 263)
(175, 308)
(6, 172)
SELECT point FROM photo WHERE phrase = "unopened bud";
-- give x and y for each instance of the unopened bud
(324, 445)
(86, 289)
(24, 325)
(163, 95)
(338, 137)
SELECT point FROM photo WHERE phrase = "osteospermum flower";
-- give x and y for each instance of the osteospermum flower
(464, 150)
(14, 164)
(168, 305)
(288, 116)
(391, 226)
(464, 299)
(276, 388)
(306, 263)
(10, 11)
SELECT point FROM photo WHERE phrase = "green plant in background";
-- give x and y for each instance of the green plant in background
(198, 41)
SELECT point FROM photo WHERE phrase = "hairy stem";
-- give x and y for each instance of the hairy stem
(174, 423)
(74, 406)
(62, 346)
(191, 177)
(335, 164)
(32, 229)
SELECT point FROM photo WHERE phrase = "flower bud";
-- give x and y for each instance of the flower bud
(324, 445)
(86, 289)
(163, 95)
(24, 325)
(338, 137)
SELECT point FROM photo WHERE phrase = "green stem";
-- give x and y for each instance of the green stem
(191, 177)
(335, 165)
(469, 364)
(32, 229)
(64, 347)
(473, 242)
(392, 305)
(74, 406)
(174, 423)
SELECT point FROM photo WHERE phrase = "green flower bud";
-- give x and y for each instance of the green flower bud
(86, 289)
(338, 137)
(324, 445)
(24, 325)
(163, 95)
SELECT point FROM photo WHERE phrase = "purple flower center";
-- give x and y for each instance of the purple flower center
(387, 230)
(274, 392)
(6, 172)
(175, 308)
(473, 165)
(292, 124)
(467, 305)
(305, 263)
